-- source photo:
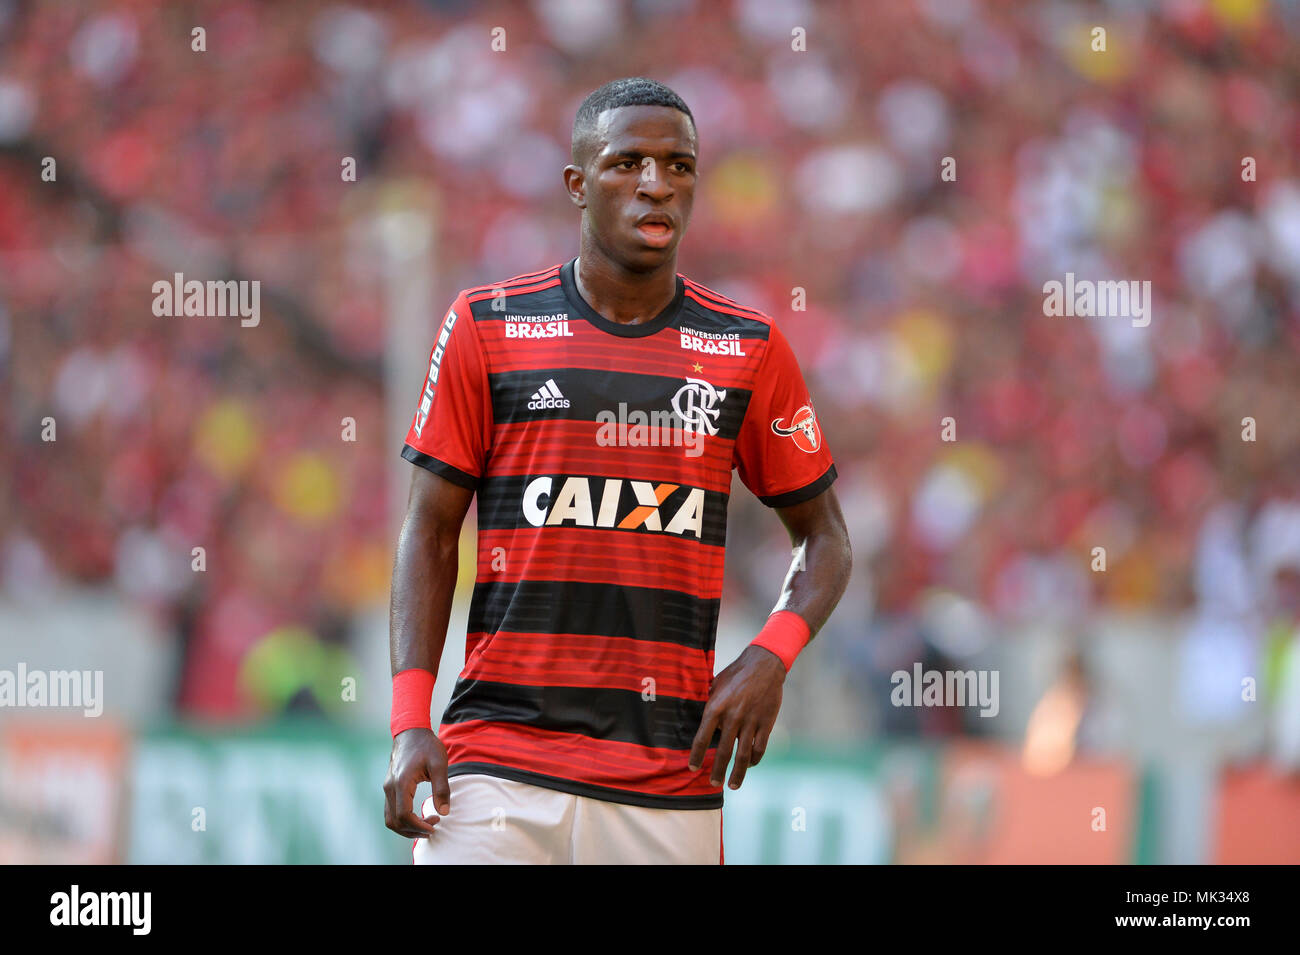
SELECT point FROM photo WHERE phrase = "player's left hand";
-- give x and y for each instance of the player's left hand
(744, 701)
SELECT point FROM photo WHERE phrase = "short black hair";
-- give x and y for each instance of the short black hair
(629, 91)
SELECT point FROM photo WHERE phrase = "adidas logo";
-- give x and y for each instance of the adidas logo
(547, 396)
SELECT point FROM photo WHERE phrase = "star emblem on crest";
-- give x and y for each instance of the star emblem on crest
(698, 367)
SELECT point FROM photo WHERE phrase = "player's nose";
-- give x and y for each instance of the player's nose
(654, 185)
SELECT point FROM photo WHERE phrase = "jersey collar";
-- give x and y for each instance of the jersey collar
(665, 318)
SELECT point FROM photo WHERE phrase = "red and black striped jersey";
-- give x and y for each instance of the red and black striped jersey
(601, 454)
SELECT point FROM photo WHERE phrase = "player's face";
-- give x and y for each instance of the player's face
(640, 184)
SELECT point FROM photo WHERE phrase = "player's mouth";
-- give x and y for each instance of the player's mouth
(656, 229)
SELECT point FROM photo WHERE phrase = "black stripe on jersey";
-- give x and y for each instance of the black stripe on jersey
(801, 494)
(589, 392)
(629, 797)
(666, 722)
(440, 468)
(565, 606)
(501, 505)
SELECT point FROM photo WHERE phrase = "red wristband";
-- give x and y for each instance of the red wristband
(412, 694)
(785, 634)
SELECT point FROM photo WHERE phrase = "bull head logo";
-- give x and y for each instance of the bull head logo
(802, 429)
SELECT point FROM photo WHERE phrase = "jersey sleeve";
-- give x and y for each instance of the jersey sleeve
(450, 432)
(780, 452)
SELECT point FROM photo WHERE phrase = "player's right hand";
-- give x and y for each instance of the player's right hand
(418, 755)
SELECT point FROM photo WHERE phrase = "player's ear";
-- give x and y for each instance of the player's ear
(575, 183)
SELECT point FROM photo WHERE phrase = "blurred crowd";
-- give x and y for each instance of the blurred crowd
(820, 171)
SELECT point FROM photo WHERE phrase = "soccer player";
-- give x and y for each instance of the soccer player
(598, 408)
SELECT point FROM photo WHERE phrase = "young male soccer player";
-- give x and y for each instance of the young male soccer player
(598, 408)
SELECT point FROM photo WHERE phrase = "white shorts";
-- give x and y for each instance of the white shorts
(496, 821)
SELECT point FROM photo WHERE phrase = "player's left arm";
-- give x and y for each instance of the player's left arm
(746, 697)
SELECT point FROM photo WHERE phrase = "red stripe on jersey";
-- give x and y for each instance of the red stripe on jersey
(717, 297)
(524, 279)
(576, 659)
(581, 759)
(739, 310)
(571, 446)
(493, 291)
(603, 556)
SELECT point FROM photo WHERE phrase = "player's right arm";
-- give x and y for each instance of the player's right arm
(448, 442)
(424, 581)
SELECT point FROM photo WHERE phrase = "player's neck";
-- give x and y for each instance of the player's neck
(628, 298)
